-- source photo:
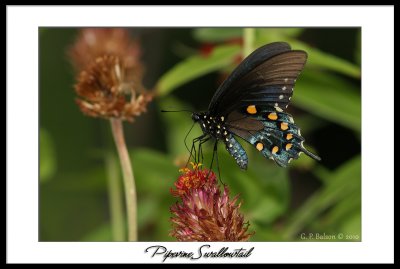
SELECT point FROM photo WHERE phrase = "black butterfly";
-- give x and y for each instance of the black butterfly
(250, 104)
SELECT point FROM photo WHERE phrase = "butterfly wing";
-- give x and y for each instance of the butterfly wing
(253, 99)
(272, 133)
(269, 83)
(256, 58)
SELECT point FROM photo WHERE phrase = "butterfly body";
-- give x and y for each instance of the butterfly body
(251, 104)
(216, 128)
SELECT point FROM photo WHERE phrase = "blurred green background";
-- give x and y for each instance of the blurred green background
(185, 66)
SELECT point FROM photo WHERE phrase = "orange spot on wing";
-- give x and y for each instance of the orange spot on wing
(273, 116)
(289, 136)
(275, 149)
(288, 146)
(259, 146)
(284, 126)
(251, 109)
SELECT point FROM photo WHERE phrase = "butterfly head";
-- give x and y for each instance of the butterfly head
(195, 117)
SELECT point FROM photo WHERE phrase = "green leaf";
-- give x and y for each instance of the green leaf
(264, 233)
(344, 209)
(154, 171)
(48, 163)
(352, 227)
(224, 34)
(278, 34)
(322, 59)
(329, 97)
(196, 66)
(267, 210)
(217, 34)
(322, 173)
(345, 181)
(357, 52)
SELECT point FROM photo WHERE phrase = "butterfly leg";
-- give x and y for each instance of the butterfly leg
(193, 148)
(200, 149)
(199, 140)
(216, 158)
(212, 158)
(184, 141)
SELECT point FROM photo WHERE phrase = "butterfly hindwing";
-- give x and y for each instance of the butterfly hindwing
(272, 133)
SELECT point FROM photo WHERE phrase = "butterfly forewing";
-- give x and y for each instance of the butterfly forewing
(225, 93)
(271, 83)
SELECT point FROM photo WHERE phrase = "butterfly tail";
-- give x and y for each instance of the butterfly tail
(310, 154)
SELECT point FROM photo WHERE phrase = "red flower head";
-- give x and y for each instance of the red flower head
(193, 179)
(205, 213)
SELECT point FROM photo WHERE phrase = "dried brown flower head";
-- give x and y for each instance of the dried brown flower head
(110, 78)
(106, 93)
(96, 42)
(206, 213)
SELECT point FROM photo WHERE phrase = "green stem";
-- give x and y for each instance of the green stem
(248, 41)
(115, 198)
(129, 180)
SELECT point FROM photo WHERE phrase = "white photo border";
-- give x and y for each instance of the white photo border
(377, 24)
